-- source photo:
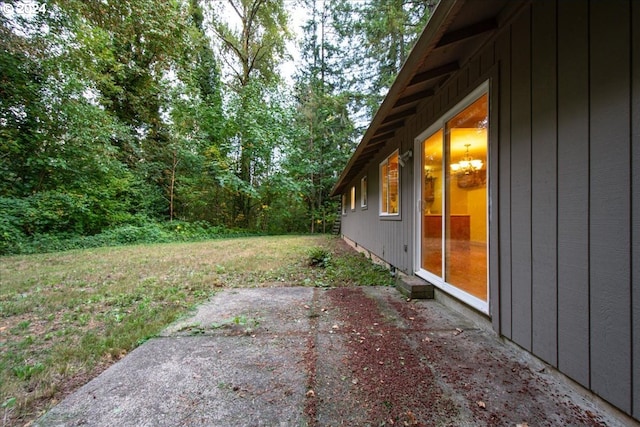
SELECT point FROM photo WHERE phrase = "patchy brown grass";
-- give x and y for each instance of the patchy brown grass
(65, 317)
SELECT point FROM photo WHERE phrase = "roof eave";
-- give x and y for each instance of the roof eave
(441, 18)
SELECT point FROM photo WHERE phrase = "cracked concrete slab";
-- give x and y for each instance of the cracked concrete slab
(313, 357)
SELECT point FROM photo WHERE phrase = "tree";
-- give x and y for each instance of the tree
(141, 56)
(251, 51)
(88, 91)
(55, 143)
(117, 112)
(380, 33)
(327, 132)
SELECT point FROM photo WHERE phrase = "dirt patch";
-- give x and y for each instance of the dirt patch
(415, 366)
(394, 384)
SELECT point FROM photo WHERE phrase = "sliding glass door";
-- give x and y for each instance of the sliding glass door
(432, 203)
(453, 221)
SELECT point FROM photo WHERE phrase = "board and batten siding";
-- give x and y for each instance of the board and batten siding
(635, 205)
(388, 238)
(567, 288)
(564, 150)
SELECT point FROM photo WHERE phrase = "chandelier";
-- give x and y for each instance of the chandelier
(467, 165)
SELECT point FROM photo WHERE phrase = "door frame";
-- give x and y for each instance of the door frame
(439, 282)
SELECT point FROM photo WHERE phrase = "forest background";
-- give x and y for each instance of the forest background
(125, 121)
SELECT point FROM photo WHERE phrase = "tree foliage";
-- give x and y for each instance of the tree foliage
(252, 44)
(124, 113)
(376, 37)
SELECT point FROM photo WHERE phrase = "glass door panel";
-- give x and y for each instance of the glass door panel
(432, 203)
(466, 199)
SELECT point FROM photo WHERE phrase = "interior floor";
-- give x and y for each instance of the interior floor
(466, 265)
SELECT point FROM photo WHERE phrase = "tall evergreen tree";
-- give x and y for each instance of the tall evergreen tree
(328, 131)
(377, 36)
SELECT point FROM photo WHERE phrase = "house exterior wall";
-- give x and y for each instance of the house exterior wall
(385, 237)
(564, 159)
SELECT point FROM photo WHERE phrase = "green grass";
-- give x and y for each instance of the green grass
(65, 317)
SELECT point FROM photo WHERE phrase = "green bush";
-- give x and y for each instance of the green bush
(132, 234)
(319, 257)
(357, 269)
(11, 233)
(12, 241)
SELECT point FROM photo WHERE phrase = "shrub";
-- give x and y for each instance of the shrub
(357, 269)
(142, 231)
(132, 234)
(11, 234)
(319, 257)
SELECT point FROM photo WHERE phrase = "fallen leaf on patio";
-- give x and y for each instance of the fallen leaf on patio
(412, 421)
(481, 404)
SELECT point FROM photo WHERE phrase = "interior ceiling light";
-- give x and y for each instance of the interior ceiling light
(467, 165)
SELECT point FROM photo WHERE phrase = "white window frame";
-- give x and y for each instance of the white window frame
(364, 192)
(382, 177)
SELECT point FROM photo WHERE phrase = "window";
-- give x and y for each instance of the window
(344, 204)
(353, 198)
(363, 192)
(390, 185)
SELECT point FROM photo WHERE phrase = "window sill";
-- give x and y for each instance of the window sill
(395, 217)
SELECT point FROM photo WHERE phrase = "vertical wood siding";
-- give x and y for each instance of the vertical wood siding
(387, 237)
(503, 48)
(544, 268)
(521, 180)
(609, 202)
(635, 206)
(573, 191)
(494, 205)
(568, 202)
(565, 190)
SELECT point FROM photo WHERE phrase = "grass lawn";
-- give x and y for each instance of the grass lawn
(65, 317)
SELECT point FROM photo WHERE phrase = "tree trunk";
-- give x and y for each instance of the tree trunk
(174, 166)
